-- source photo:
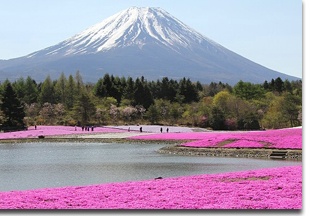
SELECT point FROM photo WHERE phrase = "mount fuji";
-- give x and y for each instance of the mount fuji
(138, 42)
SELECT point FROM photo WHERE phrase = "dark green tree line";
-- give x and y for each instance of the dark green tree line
(120, 100)
(12, 110)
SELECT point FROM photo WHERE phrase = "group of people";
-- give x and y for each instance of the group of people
(87, 128)
(161, 130)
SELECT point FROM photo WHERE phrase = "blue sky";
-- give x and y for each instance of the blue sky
(268, 32)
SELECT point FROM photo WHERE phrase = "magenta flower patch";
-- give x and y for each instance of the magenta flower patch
(54, 130)
(273, 188)
(280, 139)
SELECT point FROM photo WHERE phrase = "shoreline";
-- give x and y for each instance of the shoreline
(89, 140)
(260, 153)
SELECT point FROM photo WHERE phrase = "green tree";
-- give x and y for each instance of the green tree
(199, 86)
(176, 112)
(287, 86)
(214, 88)
(103, 86)
(217, 119)
(283, 111)
(222, 99)
(188, 91)
(248, 91)
(163, 107)
(272, 85)
(129, 89)
(31, 91)
(60, 89)
(12, 110)
(290, 108)
(273, 118)
(47, 94)
(117, 89)
(71, 93)
(278, 85)
(19, 88)
(26, 90)
(142, 94)
(84, 108)
(191, 114)
(80, 87)
(266, 85)
(153, 114)
(249, 122)
(110, 86)
(3, 86)
(167, 89)
(236, 109)
(297, 88)
(99, 89)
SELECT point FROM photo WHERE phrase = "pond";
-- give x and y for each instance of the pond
(25, 166)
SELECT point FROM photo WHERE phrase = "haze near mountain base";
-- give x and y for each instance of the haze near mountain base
(138, 42)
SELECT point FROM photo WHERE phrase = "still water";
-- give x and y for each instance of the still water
(41, 165)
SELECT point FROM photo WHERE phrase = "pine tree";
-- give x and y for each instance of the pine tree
(31, 91)
(129, 89)
(71, 92)
(12, 109)
(47, 91)
(188, 91)
(19, 87)
(279, 85)
(84, 108)
(60, 89)
(142, 94)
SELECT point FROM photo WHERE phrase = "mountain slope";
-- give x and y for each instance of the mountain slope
(136, 42)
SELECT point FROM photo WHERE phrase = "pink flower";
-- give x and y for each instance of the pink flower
(273, 188)
(280, 139)
(53, 130)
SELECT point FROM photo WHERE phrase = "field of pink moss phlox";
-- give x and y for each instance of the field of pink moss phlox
(273, 188)
(279, 139)
(43, 130)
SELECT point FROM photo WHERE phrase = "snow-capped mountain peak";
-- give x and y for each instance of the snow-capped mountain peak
(140, 41)
(133, 26)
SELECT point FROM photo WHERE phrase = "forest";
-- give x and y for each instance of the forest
(115, 100)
